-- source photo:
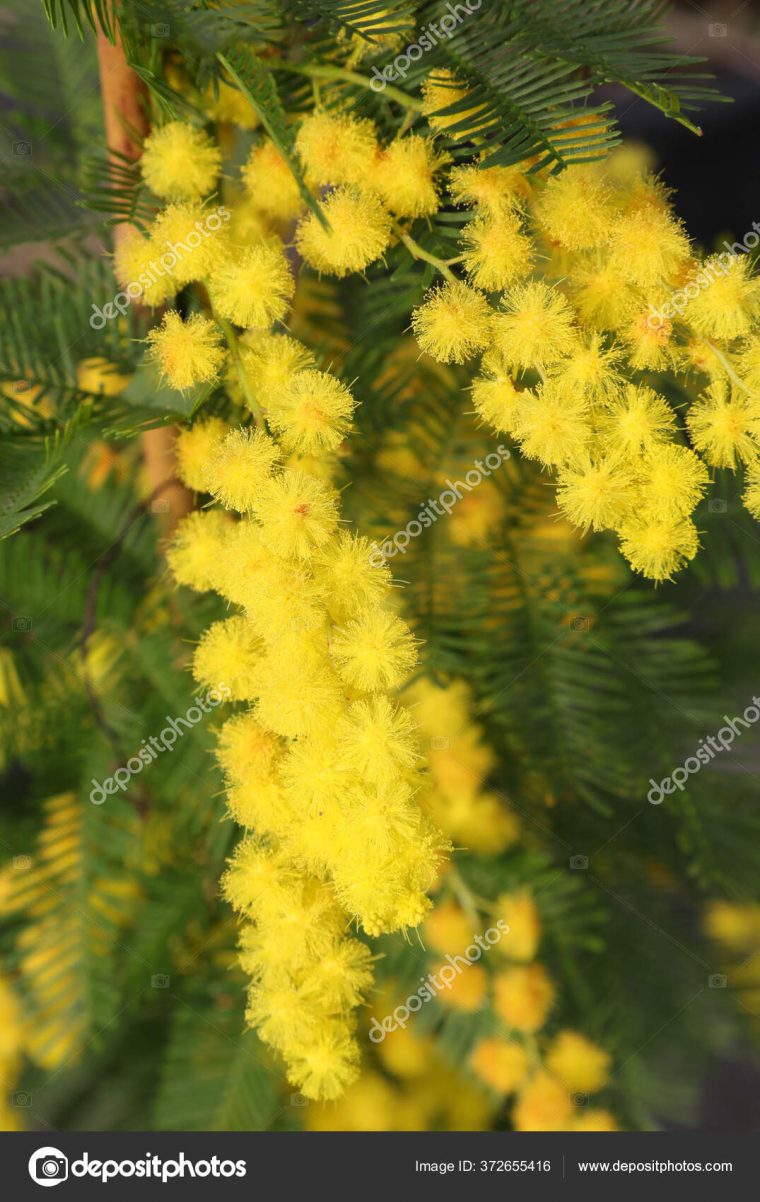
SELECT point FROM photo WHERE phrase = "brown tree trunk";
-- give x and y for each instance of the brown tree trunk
(125, 112)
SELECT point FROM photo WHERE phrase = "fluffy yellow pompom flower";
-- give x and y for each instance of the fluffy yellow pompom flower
(137, 262)
(447, 929)
(375, 740)
(404, 176)
(648, 246)
(187, 352)
(270, 183)
(336, 149)
(194, 449)
(551, 426)
(725, 426)
(575, 209)
(374, 651)
(257, 805)
(649, 339)
(543, 1105)
(521, 915)
(351, 575)
(466, 991)
(360, 230)
(254, 286)
(493, 188)
(280, 596)
(312, 412)
(270, 361)
(497, 251)
(189, 240)
(406, 1054)
(297, 700)
(748, 363)
(751, 494)
(602, 294)
(735, 924)
(727, 306)
(658, 548)
(578, 1063)
(440, 90)
(673, 481)
(523, 997)
(636, 421)
(535, 328)
(248, 224)
(500, 1063)
(246, 751)
(496, 401)
(180, 162)
(298, 514)
(326, 1065)
(240, 468)
(595, 494)
(591, 370)
(256, 874)
(229, 653)
(227, 103)
(453, 323)
(193, 554)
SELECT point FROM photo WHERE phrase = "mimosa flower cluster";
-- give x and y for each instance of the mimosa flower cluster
(549, 1080)
(322, 766)
(559, 296)
(565, 284)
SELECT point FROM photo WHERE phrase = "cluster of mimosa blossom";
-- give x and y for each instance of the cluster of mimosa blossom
(561, 292)
(322, 766)
(547, 1079)
(580, 362)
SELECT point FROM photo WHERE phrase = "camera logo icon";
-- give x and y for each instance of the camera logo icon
(48, 1166)
(579, 623)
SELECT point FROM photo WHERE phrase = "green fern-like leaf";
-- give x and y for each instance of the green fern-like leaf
(258, 85)
(216, 1076)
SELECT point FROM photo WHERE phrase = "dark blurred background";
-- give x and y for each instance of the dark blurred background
(717, 176)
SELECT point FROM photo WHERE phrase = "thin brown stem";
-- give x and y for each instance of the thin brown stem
(125, 115)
